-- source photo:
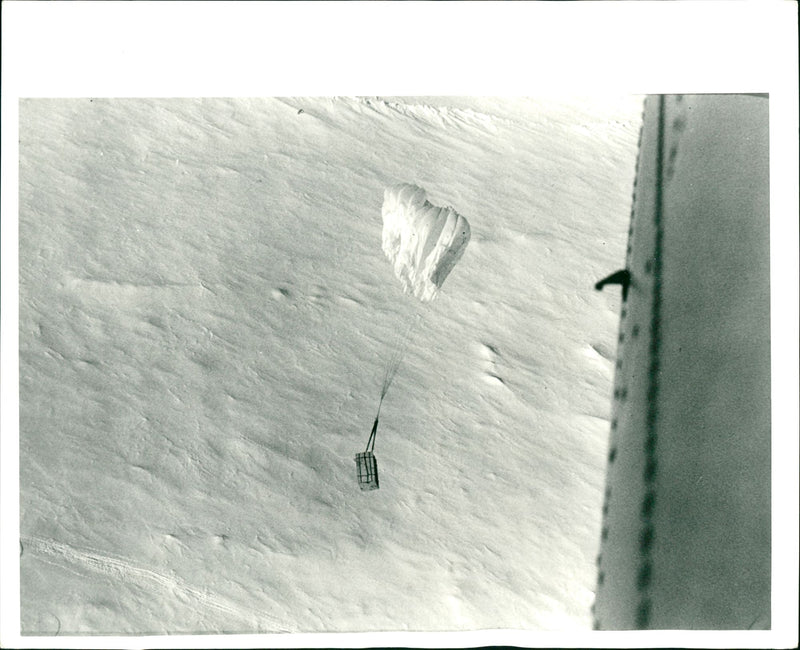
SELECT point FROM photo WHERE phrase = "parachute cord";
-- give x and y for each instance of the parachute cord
(391, 370)
(371, 441)
(400, 348)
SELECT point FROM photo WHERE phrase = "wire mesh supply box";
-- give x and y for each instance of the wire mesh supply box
(367, 471)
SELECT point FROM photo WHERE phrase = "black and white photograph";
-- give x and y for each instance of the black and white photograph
(218, 298)
(299, 364)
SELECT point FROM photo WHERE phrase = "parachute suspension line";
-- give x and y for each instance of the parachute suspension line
(371, 440)
(392, 367)
(399, 351)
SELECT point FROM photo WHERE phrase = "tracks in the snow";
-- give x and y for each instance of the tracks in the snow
(81, 560)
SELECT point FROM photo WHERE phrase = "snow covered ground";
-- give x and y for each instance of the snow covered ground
(206, 316)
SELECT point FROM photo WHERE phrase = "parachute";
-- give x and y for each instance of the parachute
(422, 241)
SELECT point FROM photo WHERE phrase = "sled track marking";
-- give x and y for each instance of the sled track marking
(65, 555)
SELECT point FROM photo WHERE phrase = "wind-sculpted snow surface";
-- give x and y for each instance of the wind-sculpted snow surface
(422, 241)
(87, 562)
(205, 316)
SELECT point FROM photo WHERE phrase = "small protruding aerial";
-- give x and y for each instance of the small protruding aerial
(423, 242)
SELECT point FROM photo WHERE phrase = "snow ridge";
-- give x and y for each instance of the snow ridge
(437, 116)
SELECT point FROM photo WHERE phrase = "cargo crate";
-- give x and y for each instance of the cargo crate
(367, 471)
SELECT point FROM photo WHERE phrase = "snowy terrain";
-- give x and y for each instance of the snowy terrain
(206, 317)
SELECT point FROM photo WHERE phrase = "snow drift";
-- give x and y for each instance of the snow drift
(204, 309)
(422, 241)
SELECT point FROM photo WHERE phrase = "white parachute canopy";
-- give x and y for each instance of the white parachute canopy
(422, 241)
